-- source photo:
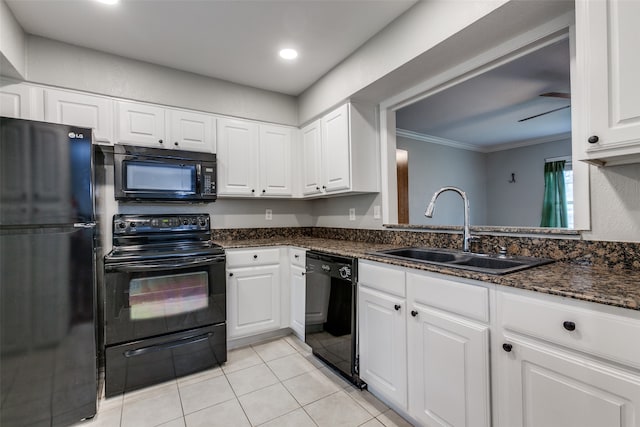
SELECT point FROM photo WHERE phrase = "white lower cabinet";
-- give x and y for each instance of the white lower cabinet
(565, 365)
(253, 292)
(383, 343)
(298, 285)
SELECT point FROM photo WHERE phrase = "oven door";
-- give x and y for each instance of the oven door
(144, 299)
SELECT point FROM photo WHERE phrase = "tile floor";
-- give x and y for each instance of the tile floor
(278, 383)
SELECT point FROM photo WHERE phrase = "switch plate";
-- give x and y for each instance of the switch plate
(268, 214)
(376, 212)
(352, 214)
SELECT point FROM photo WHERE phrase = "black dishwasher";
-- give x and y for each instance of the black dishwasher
(330, 312)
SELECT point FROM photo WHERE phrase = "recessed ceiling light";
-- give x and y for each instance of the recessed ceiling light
(111, 2)
(288, 54)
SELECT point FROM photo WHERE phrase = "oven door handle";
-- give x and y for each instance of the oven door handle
(165, 346)
(146, 266)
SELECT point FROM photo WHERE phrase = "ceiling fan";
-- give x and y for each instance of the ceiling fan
(563, 95)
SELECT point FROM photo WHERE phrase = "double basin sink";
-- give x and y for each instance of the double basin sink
(483, 263)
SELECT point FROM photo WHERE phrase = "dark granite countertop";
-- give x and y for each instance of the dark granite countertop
(620, 288)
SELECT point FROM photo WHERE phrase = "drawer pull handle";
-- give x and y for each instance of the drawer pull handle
(230, 274)
(397, 307)
(414, 313)
(569, 326)
(507, 347)
(255, 257)
(296, 256)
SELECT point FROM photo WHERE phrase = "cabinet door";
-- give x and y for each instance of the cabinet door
(77, 109)
(546, 387)
(275, 167)
(336, 153)
(608, 38)
(253, 300)
(297, 300)
(448, 369)
(192, 131)
(311, 159)
(20, 101)
(237, 157)
(141, 124)
(383, 343)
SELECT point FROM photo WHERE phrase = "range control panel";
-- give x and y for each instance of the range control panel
(142, 224)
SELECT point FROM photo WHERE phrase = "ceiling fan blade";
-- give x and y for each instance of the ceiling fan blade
(542, 114)
(557, 95)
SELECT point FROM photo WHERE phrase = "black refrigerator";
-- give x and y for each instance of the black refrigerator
(48, 373)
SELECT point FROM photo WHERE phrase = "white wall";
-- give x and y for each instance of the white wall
(12, 44)
(432, 166)
(419, 29)
(519, 204)
(60, 64)
(334, 211)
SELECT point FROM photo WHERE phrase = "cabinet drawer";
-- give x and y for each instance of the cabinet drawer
(467, 300)
(382, 277)
(247, 257)
(297, 257)
(610, 336)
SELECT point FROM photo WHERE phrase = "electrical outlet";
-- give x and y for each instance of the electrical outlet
(352, 214)
(268, 214)
(376, 212)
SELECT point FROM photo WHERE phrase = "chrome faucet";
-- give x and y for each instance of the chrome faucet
(466, 235)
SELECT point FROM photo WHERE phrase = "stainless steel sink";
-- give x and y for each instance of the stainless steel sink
(483, 263)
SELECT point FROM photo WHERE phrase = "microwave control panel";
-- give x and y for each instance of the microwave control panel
(209, 181)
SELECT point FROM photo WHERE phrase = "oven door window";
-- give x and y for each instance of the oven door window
(162, 296)
(150, 176)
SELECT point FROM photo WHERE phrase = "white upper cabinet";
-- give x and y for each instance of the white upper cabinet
(340, 152)
(82, 110)
(192, 131)
(155, 126)
(311, 159)
(607, 42)
(254, 160)
(141, 124)
(237, 157)
(20, 101)
(336, 152)
(275, 161)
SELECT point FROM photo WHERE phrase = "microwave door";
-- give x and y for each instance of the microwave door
(149, 178)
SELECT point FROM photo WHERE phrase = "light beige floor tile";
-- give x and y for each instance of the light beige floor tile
(227, 414)
(251, 379)
(298, 344)
(391, 419)
(268, 403)
(205, 393)
(314, 360)
(297, 418)
(178, 422)
(152, 408)
(241, 358)
(274, 349)
(149, 392)
(105, 404)
(372, 423)
(310, 387)
(337, 410)
(201, 376)
(336, 378)
(104, 418)
(367, 400)
(290, 366)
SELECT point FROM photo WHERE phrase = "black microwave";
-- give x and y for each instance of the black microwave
(156, 174)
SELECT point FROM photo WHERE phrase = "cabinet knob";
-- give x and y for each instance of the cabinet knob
(160, 141)
(317, 188)
(324, 187)
(253, 190)
(296, 256)
(507, 347)
(264, 191)
(230, 274)
(569, 326)
(255, 257)
(303, 273)
(593, 139)
(397, 307)
(175, 143)
(414, 313)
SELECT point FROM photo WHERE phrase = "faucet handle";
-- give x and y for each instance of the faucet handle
(502, 251)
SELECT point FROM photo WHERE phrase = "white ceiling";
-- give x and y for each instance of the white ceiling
(484, 111)
(233, 40)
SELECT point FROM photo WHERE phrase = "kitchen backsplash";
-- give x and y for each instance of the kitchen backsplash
(616, 255)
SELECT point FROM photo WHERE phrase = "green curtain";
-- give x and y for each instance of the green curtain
(554, 205)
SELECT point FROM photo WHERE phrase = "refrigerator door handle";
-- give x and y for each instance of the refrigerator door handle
(84, 225)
